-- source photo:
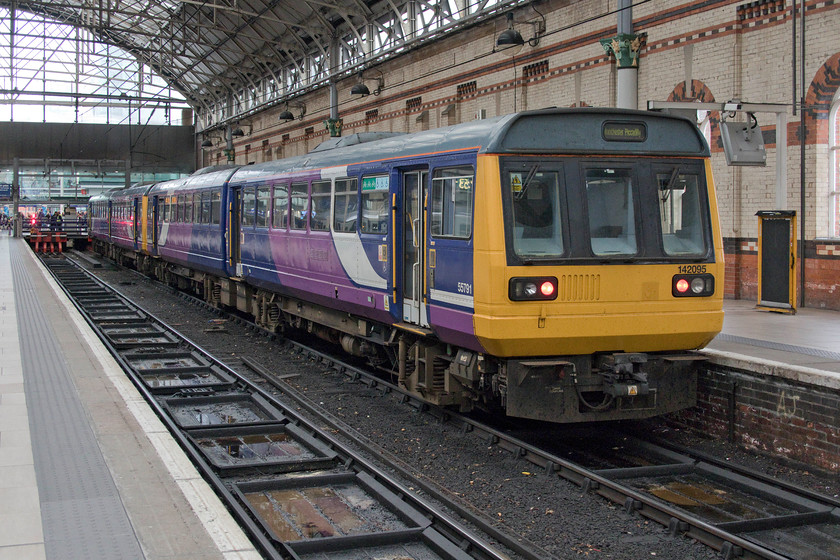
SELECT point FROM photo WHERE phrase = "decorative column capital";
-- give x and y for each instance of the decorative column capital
(334, 126)
(625, 47)
(230, 154)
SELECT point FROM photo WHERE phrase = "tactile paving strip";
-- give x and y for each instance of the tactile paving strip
(83, 516)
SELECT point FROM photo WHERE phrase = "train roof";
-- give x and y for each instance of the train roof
(599, 131)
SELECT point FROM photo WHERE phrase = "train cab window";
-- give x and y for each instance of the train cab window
(452, 202)
(346, 205)
(300, 205)
(375, 207)
(612, 216)
(263, 196)
(249, 203)
(320, 219)
(537, 221)
(216, 207)
(280, 207)
(680, 215)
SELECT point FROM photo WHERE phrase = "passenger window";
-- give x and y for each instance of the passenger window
(679, 213)
(205, 208)
(300, 205)
(216, 207)
(263, 195)
(452, 199)
(280, 207)
(612, 219)
(320, 220)
(346, 205)
(537, 220)
(375, 207)
(248, 205)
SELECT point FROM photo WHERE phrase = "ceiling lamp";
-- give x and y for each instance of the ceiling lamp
(207, 143)
(362, 90)
(359, 89)
(237, 132)
(510, 37)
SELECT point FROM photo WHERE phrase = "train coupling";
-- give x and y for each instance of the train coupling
(623, 375)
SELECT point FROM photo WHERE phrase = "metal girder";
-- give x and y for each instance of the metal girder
(229, 57)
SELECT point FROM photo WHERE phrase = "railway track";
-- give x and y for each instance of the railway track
(740, 513)
(297, 490)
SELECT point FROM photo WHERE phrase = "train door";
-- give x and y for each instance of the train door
(154, 217)
(413, 246)
(235, 231)
(136, 221)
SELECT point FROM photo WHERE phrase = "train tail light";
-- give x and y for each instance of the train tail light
(542, 288)
(693, 285)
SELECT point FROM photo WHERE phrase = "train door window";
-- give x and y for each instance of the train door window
(249, 203)
(149, 219)
(320, 219)
(537, 218)
(216, 207)
(346, 205)
(300, 205)
(679, 213)
(263, 196)
(452, 202)
(611, 207)
(280, 207)
(375, 207)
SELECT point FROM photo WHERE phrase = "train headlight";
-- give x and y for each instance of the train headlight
(542, 288)
(689, 285)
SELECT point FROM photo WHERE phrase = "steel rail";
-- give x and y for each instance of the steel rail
(461, 538)
(677, 520)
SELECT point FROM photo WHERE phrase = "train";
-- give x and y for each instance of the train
(561, 265)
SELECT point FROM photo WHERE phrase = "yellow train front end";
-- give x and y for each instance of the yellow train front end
(595, 277)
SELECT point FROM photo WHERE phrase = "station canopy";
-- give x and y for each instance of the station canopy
(229, 58)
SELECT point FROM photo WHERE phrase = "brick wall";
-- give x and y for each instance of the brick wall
(779, 418)
(822, 272)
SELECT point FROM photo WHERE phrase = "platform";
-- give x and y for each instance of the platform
(86, 469)
(802, 347)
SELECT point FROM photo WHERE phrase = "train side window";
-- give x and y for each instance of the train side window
(280, 207)
(680, 215)
(182, 201)
(375, 207)
(300, 205)
(216, 207)
(612, 218)
(346, 205)
(206, 209)
(263, 196)
(320, 219)
(452, 202)
(190, 208)
(249, 202)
